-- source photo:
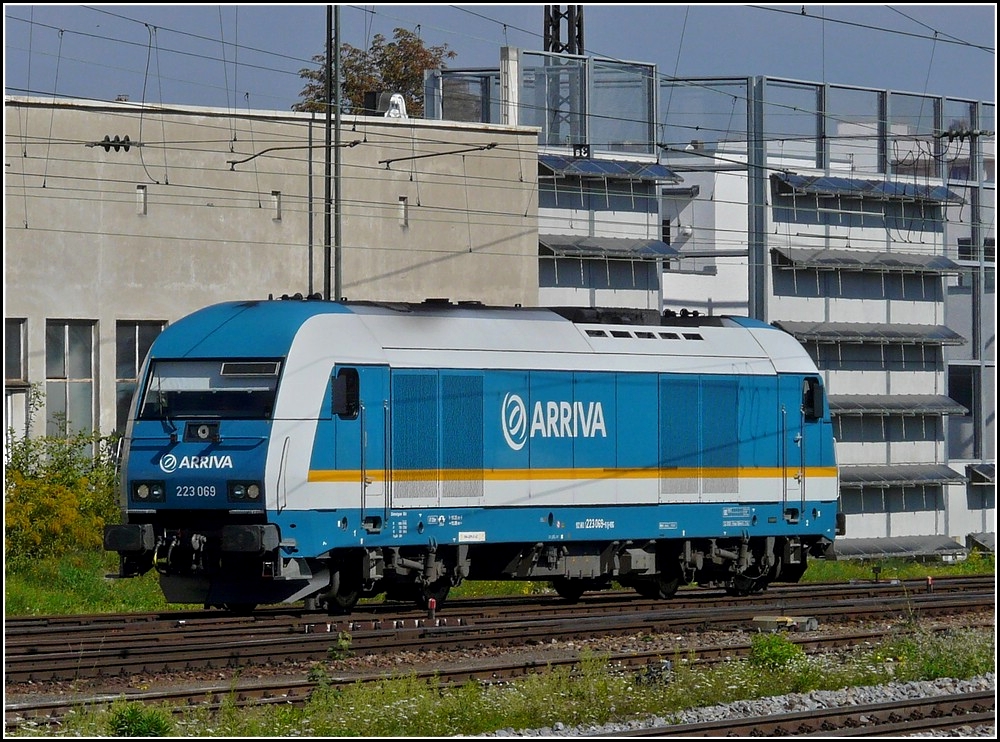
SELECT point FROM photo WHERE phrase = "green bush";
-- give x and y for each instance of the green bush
(58, 495)
(774, 652)
(138, 720)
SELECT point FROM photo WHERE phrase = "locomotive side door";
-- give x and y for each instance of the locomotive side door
(361, 402)
(792, 446)
(802, 412)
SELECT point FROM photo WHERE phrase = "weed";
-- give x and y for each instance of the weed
(774, 652)
(342, 649)
(318, 674)
(137, 720)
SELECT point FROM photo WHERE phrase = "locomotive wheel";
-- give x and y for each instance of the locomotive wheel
(792, 572)
(744, 584)
(569, 590)
(342, 602)
(658, 588)
(342, 596)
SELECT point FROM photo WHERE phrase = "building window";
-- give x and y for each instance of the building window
(276, 205)
(964, 386)
(404, 211)
(14, 353)
(141, 203)
(69, 377)
(968, 251)
(132, 342)
(15, 411)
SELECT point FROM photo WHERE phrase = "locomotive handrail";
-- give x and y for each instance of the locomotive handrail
(363, 434)
(387, 457)
(229, 438)
(784, 458)
(281, 496)
(802, 460)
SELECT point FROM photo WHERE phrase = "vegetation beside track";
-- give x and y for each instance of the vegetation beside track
(595, 692)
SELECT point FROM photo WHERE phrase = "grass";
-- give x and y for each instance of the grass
(977, 563)
(78, 583)
(595, 692)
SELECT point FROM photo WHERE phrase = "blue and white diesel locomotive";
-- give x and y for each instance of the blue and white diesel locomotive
(301, 449)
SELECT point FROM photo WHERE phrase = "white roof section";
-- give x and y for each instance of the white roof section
(521, 338)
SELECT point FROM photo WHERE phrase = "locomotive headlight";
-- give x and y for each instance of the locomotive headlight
(244, 491)
(149, 491)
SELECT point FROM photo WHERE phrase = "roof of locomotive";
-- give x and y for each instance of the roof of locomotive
(408, 334)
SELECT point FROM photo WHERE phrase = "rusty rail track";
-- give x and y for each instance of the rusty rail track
(149, 646)
(185, 646)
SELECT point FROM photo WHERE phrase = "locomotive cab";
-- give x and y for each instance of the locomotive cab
(192, 482)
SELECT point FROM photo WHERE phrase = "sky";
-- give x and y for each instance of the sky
(249, 56)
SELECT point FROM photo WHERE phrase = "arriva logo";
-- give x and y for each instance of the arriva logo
(514, 420)
(171, 463)
(550, 419)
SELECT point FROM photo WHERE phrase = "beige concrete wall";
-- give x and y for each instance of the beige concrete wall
(190, 215)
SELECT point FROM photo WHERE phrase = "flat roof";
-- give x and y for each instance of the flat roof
(898, 475)
(841, 259)
(896, 546)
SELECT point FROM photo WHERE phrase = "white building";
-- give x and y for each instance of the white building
(861, 221)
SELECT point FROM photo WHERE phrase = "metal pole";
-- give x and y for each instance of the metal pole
(312, 203)
(326, 176)
(337, 267)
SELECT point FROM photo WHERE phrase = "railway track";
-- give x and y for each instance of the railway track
(138, 647)
(515, 605)
(57, 651)
(894, 718)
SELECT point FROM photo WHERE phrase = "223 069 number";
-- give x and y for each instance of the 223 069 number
(191, 490)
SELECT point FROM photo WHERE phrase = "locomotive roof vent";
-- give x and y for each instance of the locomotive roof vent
(595, 332)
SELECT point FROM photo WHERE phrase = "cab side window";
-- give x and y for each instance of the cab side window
(812, 398)
(346, 394)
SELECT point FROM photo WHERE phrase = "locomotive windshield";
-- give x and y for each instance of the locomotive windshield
(227, 389)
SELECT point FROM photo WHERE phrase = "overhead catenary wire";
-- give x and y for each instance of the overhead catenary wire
(87, 192)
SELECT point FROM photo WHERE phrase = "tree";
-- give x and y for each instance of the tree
(393, 67)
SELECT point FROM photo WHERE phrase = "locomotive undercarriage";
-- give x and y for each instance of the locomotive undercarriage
(653, 569)
(240, 566)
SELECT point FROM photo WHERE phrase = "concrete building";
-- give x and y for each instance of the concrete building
(122, 218)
